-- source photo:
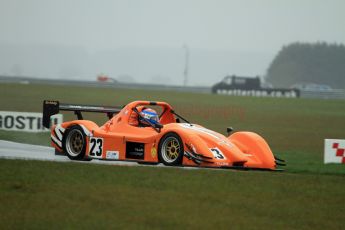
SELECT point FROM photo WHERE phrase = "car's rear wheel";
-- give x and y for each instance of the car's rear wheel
(74, 143)
(170, 150)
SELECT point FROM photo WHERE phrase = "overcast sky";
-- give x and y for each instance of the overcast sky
(258, 26)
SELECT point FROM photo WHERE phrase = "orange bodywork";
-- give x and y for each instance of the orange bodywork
(241, 149)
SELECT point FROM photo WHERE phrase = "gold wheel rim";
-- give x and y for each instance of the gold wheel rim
(75, 142)
(171, 149)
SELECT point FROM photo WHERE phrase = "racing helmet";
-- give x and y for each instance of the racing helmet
(148, 116)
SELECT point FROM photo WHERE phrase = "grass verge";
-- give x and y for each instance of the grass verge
(42, 195)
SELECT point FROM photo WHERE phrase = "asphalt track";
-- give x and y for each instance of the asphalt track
(19, 151)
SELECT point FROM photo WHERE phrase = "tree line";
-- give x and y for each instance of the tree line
(319, 63)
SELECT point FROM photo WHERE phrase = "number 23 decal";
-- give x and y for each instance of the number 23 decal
(96, 147)
(217, 153)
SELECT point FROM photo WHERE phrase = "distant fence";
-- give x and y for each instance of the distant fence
(118, 85)
(329, 94)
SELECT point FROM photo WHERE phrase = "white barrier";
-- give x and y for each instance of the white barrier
(327, 94)
(25, 121)
(334, 151)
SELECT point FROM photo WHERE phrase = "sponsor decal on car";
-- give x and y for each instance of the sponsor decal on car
(135, 150)
(47, 102)
(112, 155)
(153, 152)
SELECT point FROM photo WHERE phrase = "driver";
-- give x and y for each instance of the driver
(147, 116)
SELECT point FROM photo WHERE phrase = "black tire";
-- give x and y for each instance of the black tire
(170, 149)
(58, 153)
(74, 143)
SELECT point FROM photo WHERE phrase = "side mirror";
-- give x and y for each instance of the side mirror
(229, 130)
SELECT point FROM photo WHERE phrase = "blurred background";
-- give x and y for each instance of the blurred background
(112, 52)
(191, 43)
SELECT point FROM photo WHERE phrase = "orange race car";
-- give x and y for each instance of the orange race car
(136, 132)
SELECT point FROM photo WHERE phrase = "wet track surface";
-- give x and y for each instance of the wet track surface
(19, 151)
(13, 150)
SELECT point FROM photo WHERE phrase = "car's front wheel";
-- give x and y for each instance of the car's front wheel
(74, 143)
(170, 150)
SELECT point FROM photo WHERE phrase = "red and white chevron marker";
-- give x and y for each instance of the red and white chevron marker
(334, 151)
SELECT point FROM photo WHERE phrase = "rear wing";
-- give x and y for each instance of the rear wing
(51, 108)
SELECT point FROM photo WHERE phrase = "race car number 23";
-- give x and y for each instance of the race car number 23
(96, 147)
